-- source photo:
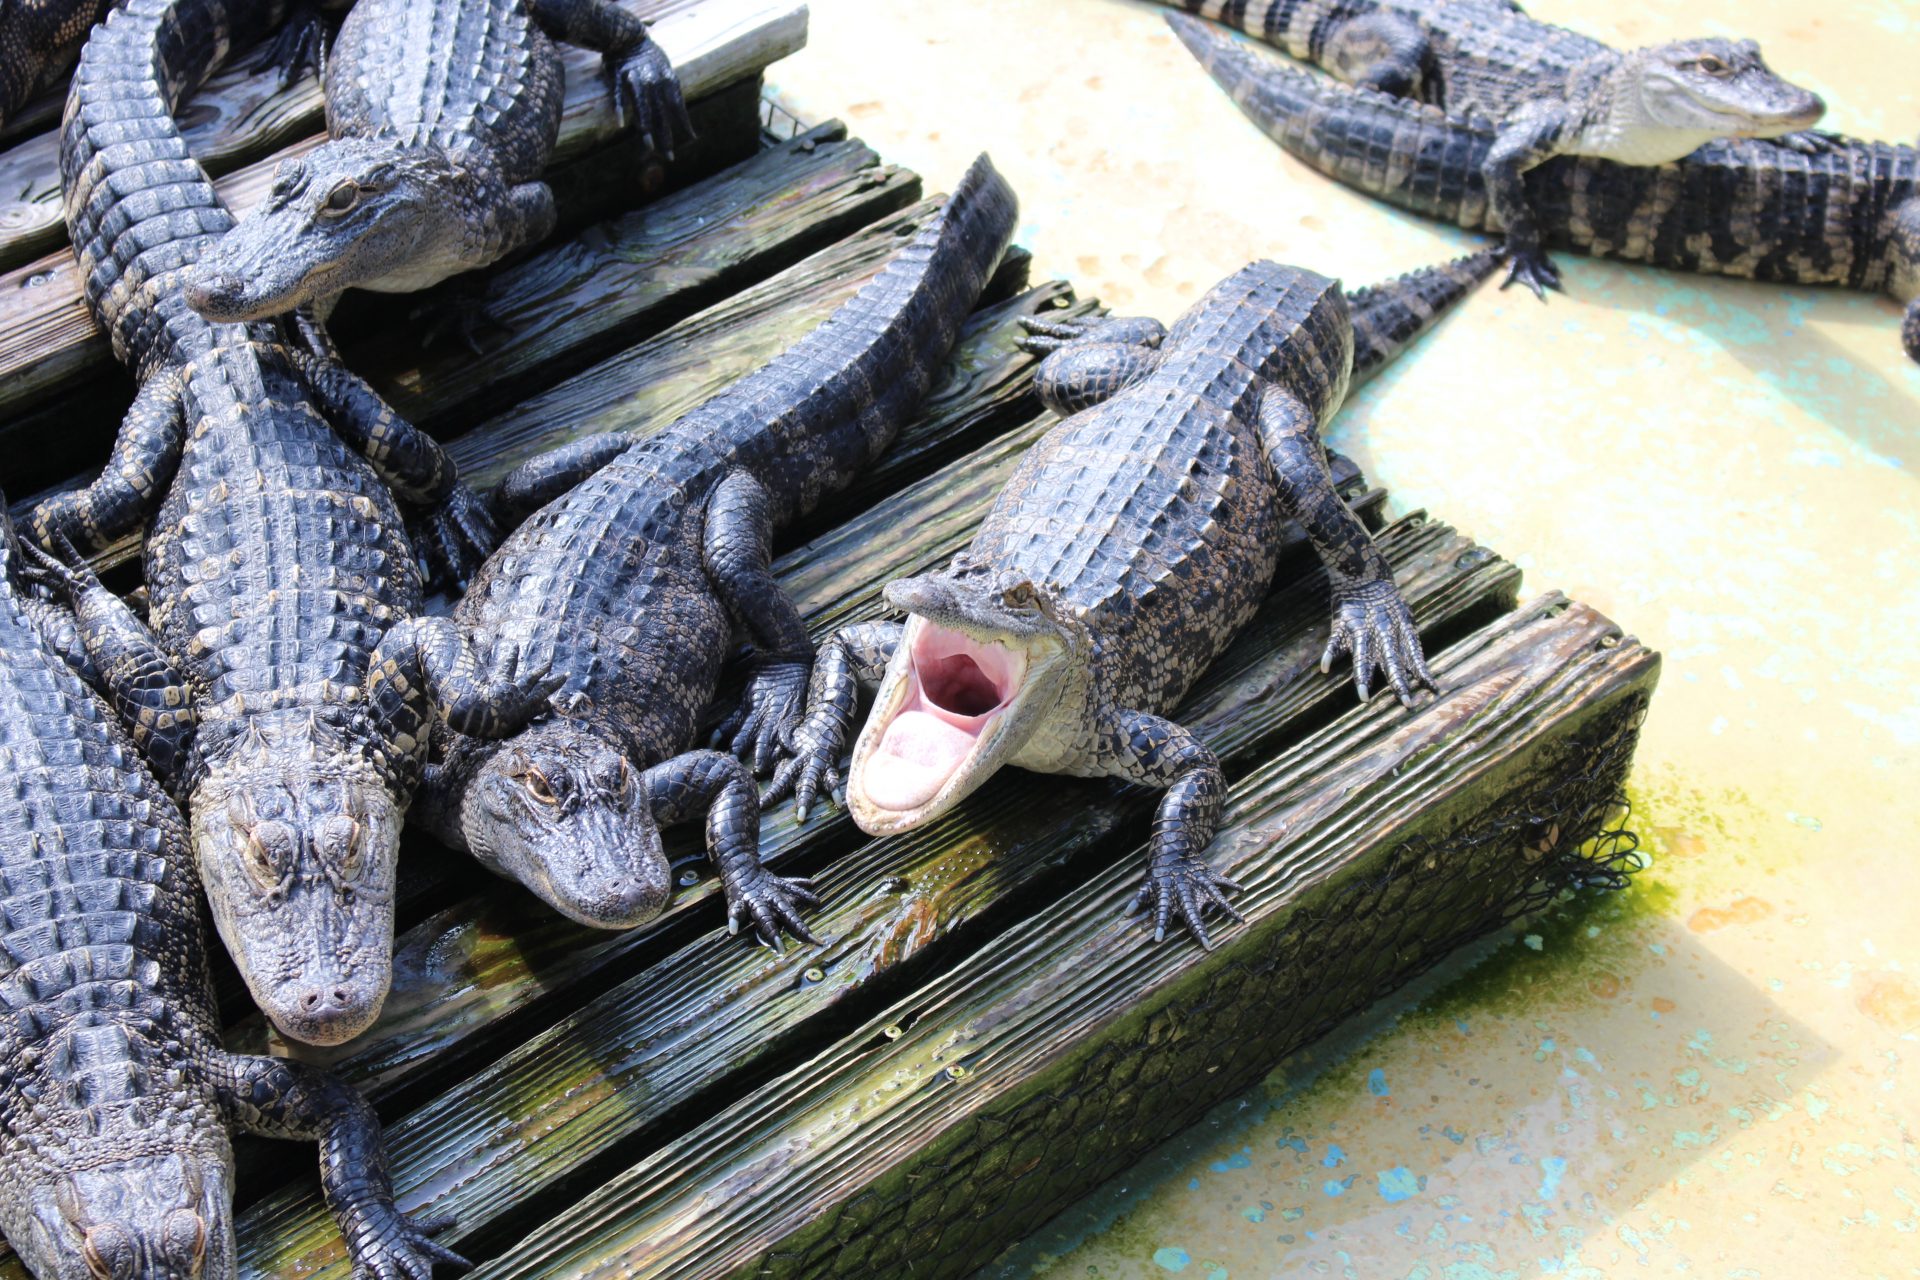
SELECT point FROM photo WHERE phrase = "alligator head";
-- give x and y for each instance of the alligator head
(1717, 88)
(352, 213)
(298, 860)
(558, 808)
(982, 665)
(160, 1214)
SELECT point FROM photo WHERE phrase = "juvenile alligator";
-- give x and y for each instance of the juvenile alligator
(1539, 90)
(1135, 540)
(623, 591)
(39, 39)
(116, 1096)
(276, 558)
(1847, 213)
(442, 115)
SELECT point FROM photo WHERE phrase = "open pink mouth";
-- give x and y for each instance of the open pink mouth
(956, 688)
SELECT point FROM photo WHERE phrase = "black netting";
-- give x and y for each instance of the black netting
(1560, 829)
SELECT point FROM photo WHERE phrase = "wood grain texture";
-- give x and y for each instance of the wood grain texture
(966, 1112)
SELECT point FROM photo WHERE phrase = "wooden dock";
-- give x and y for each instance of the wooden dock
(982, 1036)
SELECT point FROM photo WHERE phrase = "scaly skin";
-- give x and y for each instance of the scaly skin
(616, 601)
(1846, 214)
(1544, 91)
(428, 174)
(39, 39)
(1135, 540)
(116, 1097)
(276, 556)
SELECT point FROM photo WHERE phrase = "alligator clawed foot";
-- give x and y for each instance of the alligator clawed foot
(461, 311)
(1181, 882)
(1532, 268)
(299, 46)
(1372, 623)
(810, 772)
(651, 105)
(772, 904)
(398, 1247)
(455, 539)
(1811, 142)
(774, 700)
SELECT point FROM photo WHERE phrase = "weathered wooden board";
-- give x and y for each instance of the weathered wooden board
(947, 1125)
(49, 342)
(242, 124)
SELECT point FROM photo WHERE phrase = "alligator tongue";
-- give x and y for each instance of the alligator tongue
(915, 759)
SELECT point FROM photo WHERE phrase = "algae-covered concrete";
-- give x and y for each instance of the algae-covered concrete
(1719, 1072)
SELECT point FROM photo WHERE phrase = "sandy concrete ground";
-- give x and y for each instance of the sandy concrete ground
(1717, 1073)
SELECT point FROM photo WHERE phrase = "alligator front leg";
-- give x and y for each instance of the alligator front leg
(282, 1098)
(1156, 752)
(141, 681)
(644, 83)
(1090, 359)
(539, 480)
(142, 464)
(853, 658)
(457, 533)
(719, 786)
(426, 666)
(1534, 134)
(739, 561)
(1371, 621)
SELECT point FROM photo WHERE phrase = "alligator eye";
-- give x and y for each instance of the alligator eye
(185, 1238)
(341, 199)
(1711, 65)
(264, 852)
(340, 843)
(109, 1252)
(537, 783)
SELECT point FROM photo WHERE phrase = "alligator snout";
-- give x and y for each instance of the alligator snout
(217, 295)
(327, 1012)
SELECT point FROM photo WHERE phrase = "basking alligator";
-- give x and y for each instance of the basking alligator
(39, 39)
(116, 1096)
(1131, 545)
(277, 557)
(1845, 214)
(625, 588)
(442, 114)
(1540, 90)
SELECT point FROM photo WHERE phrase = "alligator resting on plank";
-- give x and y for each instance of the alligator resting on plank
(1131, 545)
(1847, 213)
(623, 589)
(116, 1096)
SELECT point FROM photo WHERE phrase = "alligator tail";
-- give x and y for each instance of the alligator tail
(1300, 28)
(138, 205)
(1391, 316)
(1404, 152)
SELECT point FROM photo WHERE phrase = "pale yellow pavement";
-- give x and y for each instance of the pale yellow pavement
(1719, 1074)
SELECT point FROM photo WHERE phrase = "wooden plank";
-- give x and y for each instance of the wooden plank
(535, 1124)
(48, 338)
(966, 1113)
(243, 124)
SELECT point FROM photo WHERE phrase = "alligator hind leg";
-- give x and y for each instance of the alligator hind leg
(142, 464)
(1371, 621)
(1087, 360)
(1531, 137)
(719, 786)
(1384, 51)
(853, 658)
(282, 1098)
(1156, 752)
(456, 530)
(739, 562)
(644, 83)
(539, 480)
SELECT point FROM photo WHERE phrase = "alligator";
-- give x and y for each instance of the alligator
(1131, 545)
(116, 1095)
(1845, 214)
(427, 173)
(620, 592)
(1540, 90)
(39, 39)
(276, 555)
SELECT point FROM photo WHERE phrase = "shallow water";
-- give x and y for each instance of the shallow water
(1714, 1072)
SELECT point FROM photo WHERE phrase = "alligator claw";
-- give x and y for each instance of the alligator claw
(1532, 268)
(300, 45)
(1182, 882)
(1372, 623)
(394, 1246)
(1811, 142)
(454, 539)
(775, 698)
(648, 93)
(772, 903)
(810, 772)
